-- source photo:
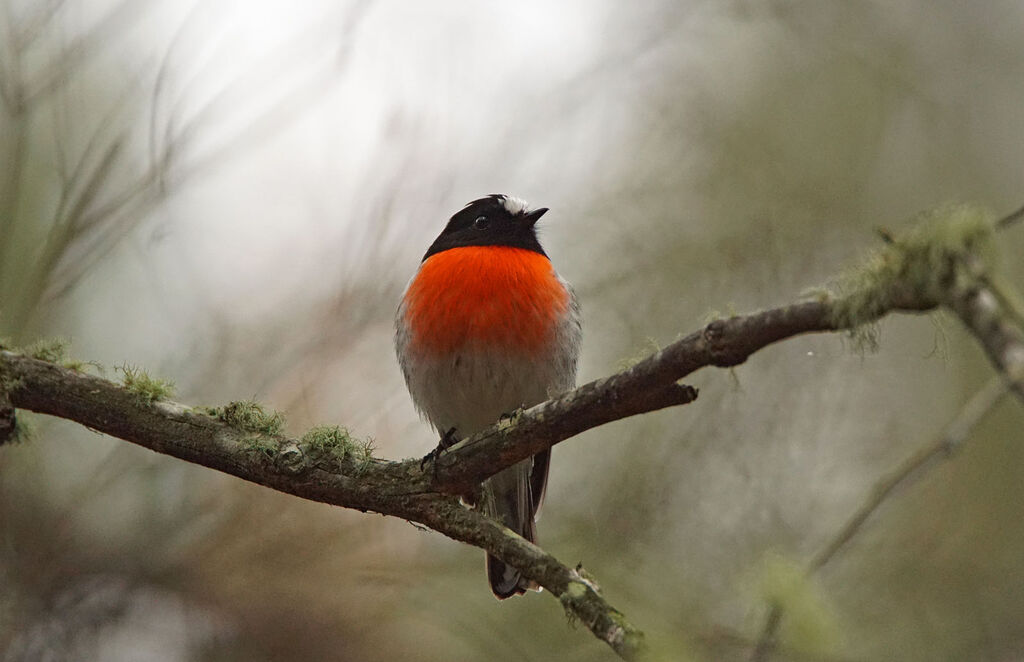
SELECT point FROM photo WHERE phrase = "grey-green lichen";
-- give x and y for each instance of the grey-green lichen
(328, 439)
(715, 314)
(146, 388)
(574, 591)
(920, 261)
(619, 634)
(622, 636)
(264, 425)
(265, 446)
(24, 428)
(337, 441)
(250, 416)
(8, 382)
(649, 347)
(572, 594)
(80, 366)
(53, 350)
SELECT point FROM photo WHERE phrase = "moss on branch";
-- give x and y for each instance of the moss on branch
(250, 416)
(915, 268)
(338, 442)
(146, 388)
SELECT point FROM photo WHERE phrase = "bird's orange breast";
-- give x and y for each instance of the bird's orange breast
(491, 296)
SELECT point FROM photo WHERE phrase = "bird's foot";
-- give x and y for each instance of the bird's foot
(448, 439)
(510, 417)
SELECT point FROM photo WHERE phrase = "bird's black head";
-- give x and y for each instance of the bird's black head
(497, 220)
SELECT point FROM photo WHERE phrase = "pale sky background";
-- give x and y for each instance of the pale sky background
(422, 103)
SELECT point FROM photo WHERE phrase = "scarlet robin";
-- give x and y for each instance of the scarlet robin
(487, 326)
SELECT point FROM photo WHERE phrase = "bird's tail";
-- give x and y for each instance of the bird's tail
(508, 498)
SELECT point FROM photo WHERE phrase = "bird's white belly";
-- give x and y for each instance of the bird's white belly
(472, 389)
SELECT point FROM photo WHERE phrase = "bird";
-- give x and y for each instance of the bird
(485, 327)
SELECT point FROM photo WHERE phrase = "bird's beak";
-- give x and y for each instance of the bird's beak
(534, 216)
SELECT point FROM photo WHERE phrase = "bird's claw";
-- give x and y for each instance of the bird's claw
(448, 439)
(429, 457)
(510, 416)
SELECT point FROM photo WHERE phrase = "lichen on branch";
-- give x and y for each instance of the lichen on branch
(914, 269)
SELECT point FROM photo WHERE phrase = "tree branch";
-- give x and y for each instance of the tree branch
(401, 489)
(981, 308)
(334, 475)
(968, 291)
(647, 386)
(942, 448)
(578, 594)
(914, 273)
(1010, 219)
(7, 420)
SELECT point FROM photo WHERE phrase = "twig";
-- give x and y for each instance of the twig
(766, 643)
(940, 449)
(1010, 219)
(920, 461)
(578, 595)
(982, 311)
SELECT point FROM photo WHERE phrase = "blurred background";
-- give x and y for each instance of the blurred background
(233, 194)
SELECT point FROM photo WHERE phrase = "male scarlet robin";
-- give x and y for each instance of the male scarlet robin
(487, 326)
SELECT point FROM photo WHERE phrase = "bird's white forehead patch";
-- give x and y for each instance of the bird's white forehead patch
(514, 205)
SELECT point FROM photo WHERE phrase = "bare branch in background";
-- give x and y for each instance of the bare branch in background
(96, 210)
(34, 23)
(922, 460)
(976, 302)
(1011, 219)
(80, 50)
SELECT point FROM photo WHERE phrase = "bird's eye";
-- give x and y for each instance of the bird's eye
(481, 222)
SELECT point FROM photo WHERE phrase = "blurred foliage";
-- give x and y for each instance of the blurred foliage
(811, 625)
(696, 156)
